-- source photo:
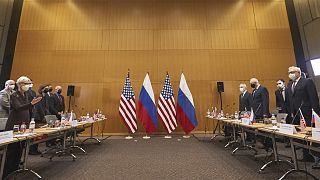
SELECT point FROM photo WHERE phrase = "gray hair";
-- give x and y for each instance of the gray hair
(294, 68)
(23, 79)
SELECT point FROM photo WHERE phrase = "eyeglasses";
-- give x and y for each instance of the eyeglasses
(292, 72)
(279, 83)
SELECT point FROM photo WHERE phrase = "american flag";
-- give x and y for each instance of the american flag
(127, 108)
(303, 124)
(166, 106)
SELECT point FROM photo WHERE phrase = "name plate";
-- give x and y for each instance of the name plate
(245, 121)
(287, 129)
(6, 136)
(74, 123)
(316, 133)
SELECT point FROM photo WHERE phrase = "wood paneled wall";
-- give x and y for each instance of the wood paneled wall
(92, 43)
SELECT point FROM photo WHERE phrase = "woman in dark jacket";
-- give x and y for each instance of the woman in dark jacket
(19, 113)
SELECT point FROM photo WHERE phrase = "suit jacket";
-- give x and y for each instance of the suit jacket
(31, 94)
(304, 95)
(245, 101)
(19, 110)
(283, 104)
(56, 104)
(41, 109)
(5, 103)
(261, 102)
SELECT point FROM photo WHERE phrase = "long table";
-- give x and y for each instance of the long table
(46, 134)
(266, 131)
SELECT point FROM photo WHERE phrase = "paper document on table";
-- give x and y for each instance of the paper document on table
(287, 129)
(24, 135)
(316, 133)
(6, 136)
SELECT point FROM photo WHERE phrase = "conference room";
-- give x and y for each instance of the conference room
(159, 89)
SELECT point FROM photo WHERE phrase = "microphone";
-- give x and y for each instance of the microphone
(296, 113)
(257, 109)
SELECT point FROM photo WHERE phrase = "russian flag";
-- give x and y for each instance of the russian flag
(315, 119)
(186, 114)
(147, 111)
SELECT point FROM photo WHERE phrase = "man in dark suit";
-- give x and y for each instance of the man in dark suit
(282, 99)
(56, 103)
(245, 99)
(260, 99)
(303, 95)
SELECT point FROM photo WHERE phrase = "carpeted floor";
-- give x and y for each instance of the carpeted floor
(158, 158)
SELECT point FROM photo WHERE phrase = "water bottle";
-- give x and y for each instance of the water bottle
(32, 125)
(221, 114)
(208, 113)
(23, 127)
(63, 120)
(236, 115)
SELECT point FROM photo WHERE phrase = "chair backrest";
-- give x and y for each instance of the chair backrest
(3, 122)
(281, 117)
(50, 119)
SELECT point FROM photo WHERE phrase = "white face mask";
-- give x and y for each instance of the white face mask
(292, 76)
(11, 87)
(242, 90)
(31, 85)
(280, 86)
(25, 87)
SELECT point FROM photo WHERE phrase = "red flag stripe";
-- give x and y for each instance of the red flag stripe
(128, 105)
(130, 118)
(173, 109)
(172, 105)
(166, 117)
(164, 122)
(169, 116)
(126, 120)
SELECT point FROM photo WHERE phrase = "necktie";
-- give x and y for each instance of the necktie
(293, 86)
(59, 98)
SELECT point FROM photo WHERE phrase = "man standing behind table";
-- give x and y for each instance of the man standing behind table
(303, 95)
(5, 102)
(56, 103)
(5, 98)
(260, 99)
(260, 109)
(282, 99)
(245, 99)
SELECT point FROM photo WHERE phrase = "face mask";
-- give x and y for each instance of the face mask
(25, 87)
(292, 76)
(241, 90)
(59, 91)
(45, 90)
(11, 87)
(280, 86)
(50, 90)
(253, 85)
(31, 85)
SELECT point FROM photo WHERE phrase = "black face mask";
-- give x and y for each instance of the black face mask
(50, 90)
(253, 85)
(45, 90)
(59, 91)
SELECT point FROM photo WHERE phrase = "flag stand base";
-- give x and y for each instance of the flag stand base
(186, 136)
(128, 137)
(146, 137)
(167, 137)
